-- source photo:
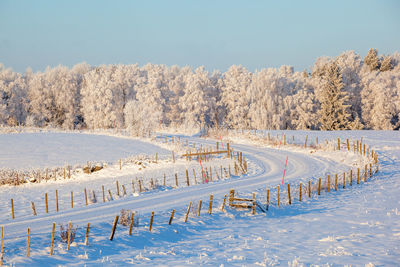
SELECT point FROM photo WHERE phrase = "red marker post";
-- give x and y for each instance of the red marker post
(284, 171)
(202, 170)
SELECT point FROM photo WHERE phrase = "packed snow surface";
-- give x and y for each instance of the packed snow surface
(358, 225)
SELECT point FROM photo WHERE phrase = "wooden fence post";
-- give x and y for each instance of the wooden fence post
(187, 178)
(253, 208)
(300, 192)
(329, 183)
(28, 241)
(173, 157)
(69, 172)
(344, 180)
(87, 234)
(140, 186)
(278, 196)
(365, 174)
(188, 210)
(335, 182)
(319, 186)
(210, 204)
(86, 199)
(56, 200)
(288, 191)
(351, 177)
(151, 221)
(104, 196)
(33, 208)
(114, 226)
(52, 239)
(131, 223)
(176, 180)
(72, 199)
(69, 235)
(172, 217)
(309, 188)
(267, 199)
(199, 208)
(348, 144)
(305, 142)
(223, 204)
(46, 202)
(117, 185)
(338, 143)
(358, 175)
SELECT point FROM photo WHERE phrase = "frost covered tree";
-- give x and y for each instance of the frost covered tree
(334, 113)
(234, 96)
(199, 101)
(386, 64)
(13, 97)
(54, 98)
(372, 60)
(105, 91)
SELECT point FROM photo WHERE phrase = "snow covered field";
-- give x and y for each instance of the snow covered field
(42, 150)
(357, 226)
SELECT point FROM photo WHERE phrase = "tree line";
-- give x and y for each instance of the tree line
(343, 92)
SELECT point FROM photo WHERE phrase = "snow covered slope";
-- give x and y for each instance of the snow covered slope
(358, 225)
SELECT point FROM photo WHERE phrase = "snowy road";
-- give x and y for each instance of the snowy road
(265, 169)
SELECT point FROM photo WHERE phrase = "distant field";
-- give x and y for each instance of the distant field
(42, 150)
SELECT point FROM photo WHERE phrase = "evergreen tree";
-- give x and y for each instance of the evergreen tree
(386, 64)
(372, 59)
(334, 110)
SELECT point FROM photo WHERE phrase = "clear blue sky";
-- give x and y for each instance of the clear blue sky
(216, 34)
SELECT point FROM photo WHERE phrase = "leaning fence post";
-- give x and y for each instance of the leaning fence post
(288, 191)
(172, 217)
(151, 221)
(187, 178)
(188, 210)
(87, 234)
(33, 208)
(114, 226)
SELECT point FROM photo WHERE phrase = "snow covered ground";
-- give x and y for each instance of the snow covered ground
(42, 150)
(358, 226)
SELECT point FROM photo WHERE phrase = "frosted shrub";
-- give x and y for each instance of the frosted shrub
(64, 233)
